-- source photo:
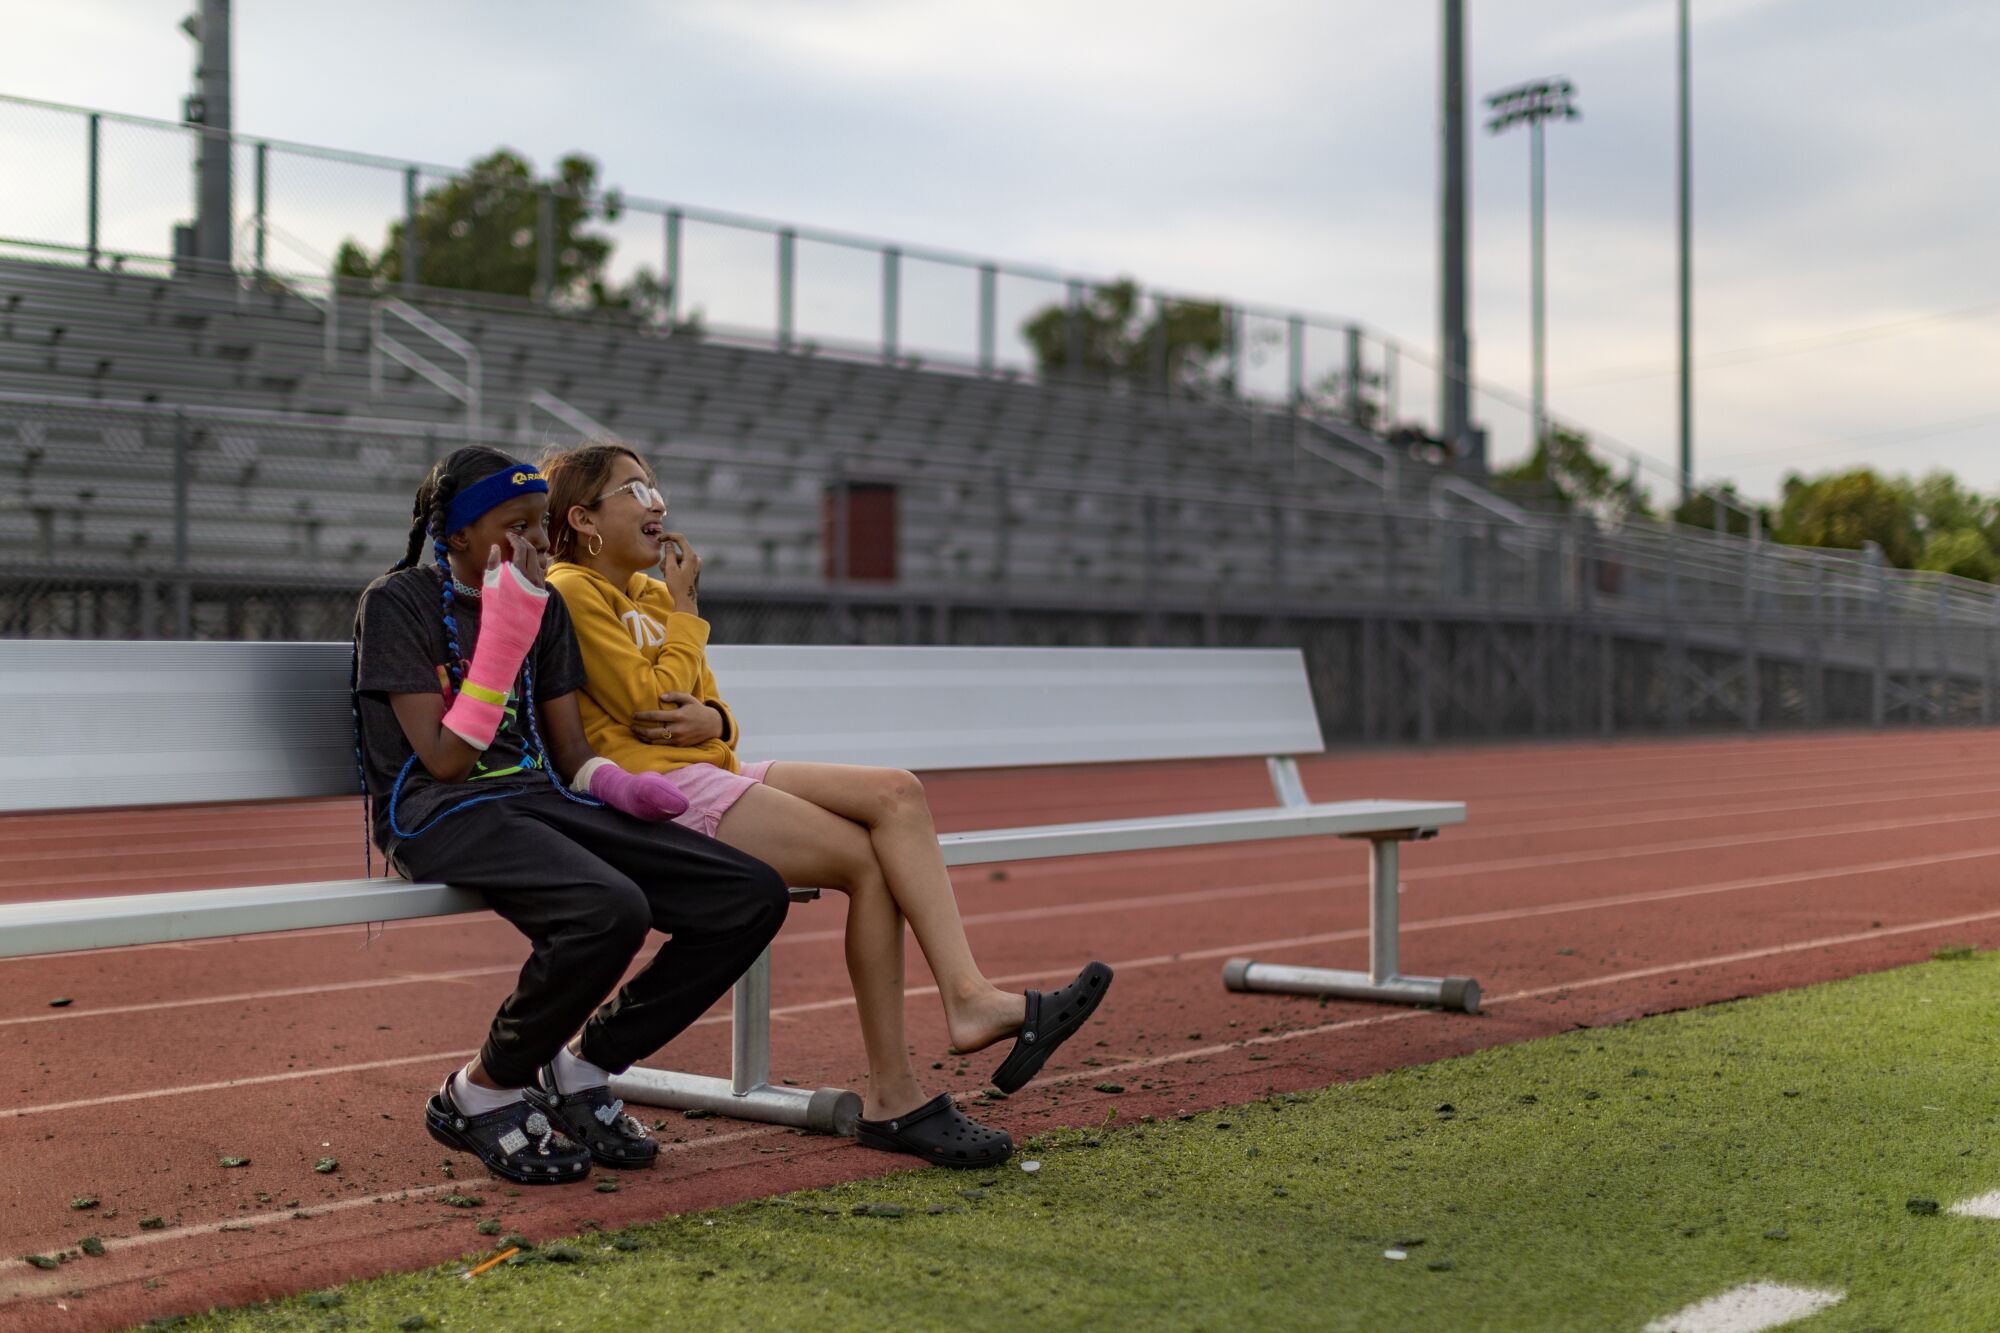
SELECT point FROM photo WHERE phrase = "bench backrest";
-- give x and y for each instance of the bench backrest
(92, 724)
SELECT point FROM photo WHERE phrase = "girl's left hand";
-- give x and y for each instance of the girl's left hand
(685, 721)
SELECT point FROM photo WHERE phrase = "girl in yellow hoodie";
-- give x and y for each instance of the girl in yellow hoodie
(651, 703)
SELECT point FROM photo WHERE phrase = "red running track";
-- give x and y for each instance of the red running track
(1593, 883)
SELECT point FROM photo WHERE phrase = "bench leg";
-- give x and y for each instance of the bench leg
(747, 1093)
(1383, 980)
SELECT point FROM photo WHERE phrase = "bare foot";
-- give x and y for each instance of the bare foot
(979, 1023)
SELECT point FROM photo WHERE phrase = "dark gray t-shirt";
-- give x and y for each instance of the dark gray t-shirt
(399, 632)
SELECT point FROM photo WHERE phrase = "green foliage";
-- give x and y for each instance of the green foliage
(1965, 552)
(1848, 510)
(1563, 473)
(1121, 342)
(1933, 522)
(479, 232)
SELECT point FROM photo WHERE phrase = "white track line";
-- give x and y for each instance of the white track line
(1415, 875)
(1128, 965)
(1752, 1307)
(1511, 997)
(1986, 1205)
(1400, 1015)
(1149, 902)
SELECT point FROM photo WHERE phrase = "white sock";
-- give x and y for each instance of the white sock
(475, 1100)
(574, 1073)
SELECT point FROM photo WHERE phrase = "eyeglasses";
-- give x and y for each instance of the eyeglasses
(639, 491)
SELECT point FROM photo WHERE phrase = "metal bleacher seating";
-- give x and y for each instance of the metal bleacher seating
(1100, 488)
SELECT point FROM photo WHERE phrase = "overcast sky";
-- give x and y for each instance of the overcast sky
(1274, 151)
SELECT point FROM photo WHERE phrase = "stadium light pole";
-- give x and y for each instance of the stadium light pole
(1530, 104)
(1686, 174)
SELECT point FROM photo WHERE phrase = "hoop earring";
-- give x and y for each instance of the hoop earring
(596, 547)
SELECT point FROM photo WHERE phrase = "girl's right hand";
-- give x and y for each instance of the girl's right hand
(681, 569)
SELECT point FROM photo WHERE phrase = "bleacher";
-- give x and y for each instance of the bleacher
(297, 460)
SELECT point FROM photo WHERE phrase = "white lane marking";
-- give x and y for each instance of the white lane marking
(1163, 960)
(1411, 875)
(1486, 1003)
(1986, 1205)
(1147, 902)
(1748, 1309)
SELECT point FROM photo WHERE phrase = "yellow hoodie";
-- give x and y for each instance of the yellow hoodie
(636, 647)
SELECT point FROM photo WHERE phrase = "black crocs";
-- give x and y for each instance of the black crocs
(1053, 1017)
(939, 1133)
(596, 1119)
(516, 1142)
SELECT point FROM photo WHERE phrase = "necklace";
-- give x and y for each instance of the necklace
(456, 586)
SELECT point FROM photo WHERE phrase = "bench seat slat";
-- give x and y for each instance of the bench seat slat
(149, 918)
(1333, 818)
(196, 914)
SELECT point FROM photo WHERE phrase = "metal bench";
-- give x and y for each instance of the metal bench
(262, 721)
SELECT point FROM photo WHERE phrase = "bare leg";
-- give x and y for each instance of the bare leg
(889, 804)
(811, 848)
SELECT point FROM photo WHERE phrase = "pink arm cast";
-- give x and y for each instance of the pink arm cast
(510, 614)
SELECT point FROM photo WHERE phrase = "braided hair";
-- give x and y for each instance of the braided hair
(433, 500)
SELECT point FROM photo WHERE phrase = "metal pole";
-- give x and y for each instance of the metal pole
(787, 239)
(263, 195)
(215, 196)
(1686, 175)
(1295, 361)
(1541, 387)
(892, 300)
(1354, 374)
(183, 594)
(1075, 350)
(96, 134)
(1384, 883)
(412, 247)
(1234, 320)
(1878, 704)
(673, 268)
(1455, 374)
(989, 278)
(545, 244)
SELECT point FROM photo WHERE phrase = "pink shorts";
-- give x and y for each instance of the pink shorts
(710, 791)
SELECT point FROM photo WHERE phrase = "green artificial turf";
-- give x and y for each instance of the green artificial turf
(1590, 1181)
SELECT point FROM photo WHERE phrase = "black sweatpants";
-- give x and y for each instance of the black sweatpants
(585, 885)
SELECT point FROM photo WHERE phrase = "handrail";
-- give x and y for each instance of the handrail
(466, 390)
(572, 416)
(329, 306)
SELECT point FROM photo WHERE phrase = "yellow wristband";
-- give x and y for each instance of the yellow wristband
(498, 698)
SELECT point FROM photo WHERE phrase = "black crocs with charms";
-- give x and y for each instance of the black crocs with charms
(516, 1142)
(596, 1119)
(939, 1133)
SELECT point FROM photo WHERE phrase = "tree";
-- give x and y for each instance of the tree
(1961, 551)
(1699, 510)
(480, 233)
(1565, 474)
(1120, 343)
(1847, 510)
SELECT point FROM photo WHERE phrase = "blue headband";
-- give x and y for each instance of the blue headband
(469, 504)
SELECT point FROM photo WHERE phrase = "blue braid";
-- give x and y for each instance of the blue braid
(452, 653)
